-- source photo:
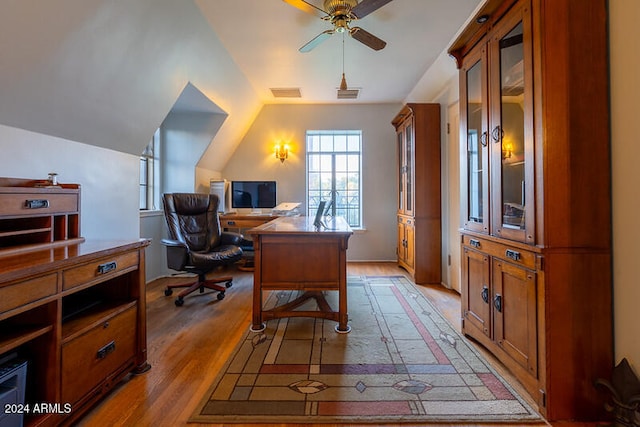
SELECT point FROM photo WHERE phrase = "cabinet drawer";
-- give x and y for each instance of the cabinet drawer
(37, 203)
(242, 223)
(27, 291)
(103, 268)
(505, 252)
(92, 357)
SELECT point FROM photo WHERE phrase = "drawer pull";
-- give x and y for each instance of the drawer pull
(485, 294)
(107, 267)
(475, 243)
(104, 351)
(514, 255)
(497, 302)
(231, 223)
(36, 204)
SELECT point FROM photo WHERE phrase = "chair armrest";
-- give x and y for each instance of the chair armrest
(231, 238)
(173, 243)
(177, 254)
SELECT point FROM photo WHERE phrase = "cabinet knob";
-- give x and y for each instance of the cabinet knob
(485, 294)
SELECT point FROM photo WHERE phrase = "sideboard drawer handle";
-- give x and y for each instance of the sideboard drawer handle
(107, 267)
(475, 243)
(109, 348)
(514, 255)
(231, 223)
(36, 204)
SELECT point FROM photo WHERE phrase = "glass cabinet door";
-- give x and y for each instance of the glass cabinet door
(474, 120)
(511, 132)
(401, 177)
(408, 149)
(405, 167)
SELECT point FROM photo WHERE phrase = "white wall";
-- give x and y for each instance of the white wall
(109, 179)
(254, 160)
(624, 34)
(107, 73)
(184, 137)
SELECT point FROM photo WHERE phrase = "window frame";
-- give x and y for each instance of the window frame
(150, 185)
(317, 147)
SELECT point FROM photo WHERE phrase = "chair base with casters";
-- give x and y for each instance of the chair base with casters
(201, 284)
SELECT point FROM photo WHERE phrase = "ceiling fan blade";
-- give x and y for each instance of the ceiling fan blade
(365, 7)
(367, 38)
(307, 7)
(316, 41)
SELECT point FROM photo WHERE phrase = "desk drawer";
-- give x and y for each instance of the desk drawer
(103, 268)
(90, 358)
(242, 223)
(37, 203)
(27, 291)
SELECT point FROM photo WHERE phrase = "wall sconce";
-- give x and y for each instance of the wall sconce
(282, 152)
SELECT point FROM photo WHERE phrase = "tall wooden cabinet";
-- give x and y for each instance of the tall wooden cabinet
(536, 237)
(419, 219)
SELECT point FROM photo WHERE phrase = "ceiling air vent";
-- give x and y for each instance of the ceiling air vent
(348, 93)
(286, 92)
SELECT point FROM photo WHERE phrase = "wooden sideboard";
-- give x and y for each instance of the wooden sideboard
(74, 309)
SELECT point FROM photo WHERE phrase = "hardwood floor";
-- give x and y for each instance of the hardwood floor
(188, 345)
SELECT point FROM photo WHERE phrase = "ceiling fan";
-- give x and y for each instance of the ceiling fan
(341, 13)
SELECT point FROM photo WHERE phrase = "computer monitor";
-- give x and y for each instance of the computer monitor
(253, 194)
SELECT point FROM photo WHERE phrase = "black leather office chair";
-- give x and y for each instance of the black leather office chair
(196, 242)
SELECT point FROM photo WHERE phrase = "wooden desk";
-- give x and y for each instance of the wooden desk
(291, 254)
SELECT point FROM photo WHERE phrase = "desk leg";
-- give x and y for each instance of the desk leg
(343, 317)
(257, 323)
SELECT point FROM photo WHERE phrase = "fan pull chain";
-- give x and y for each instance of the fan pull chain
(343, 83)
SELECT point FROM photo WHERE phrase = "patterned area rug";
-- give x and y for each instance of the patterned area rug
(401, 362)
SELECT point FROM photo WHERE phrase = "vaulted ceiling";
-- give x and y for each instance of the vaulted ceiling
(107, 72)
(263, 38)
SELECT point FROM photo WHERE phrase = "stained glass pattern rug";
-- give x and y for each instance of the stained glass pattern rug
(401, 362)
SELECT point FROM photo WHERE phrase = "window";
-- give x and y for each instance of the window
(334, 173)
(149, 174)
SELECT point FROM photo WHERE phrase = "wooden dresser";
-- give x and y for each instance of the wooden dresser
(73, 309)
